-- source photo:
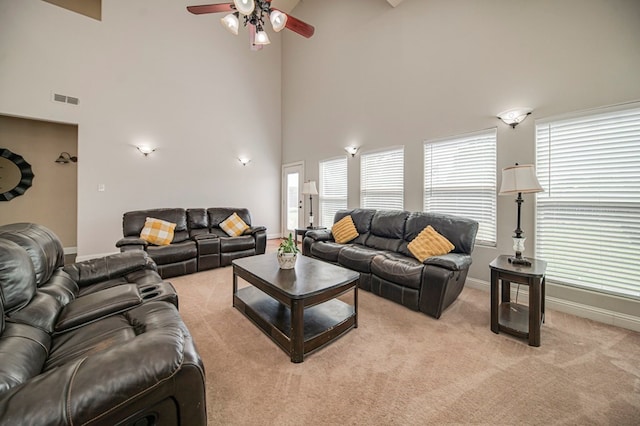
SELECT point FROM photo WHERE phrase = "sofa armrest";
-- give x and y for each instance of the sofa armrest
(122, 383)
(252, 230)
(319, 235)
(201, 237)
(128, 243)
(450, 261)
(109, 267)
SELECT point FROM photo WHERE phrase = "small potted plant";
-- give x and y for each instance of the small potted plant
(287, 253)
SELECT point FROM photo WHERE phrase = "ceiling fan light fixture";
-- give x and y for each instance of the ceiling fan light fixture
(231, 23)
(278, 20)
(262, 38)
(246, 7)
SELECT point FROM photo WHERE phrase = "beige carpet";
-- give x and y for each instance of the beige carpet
(403, 367)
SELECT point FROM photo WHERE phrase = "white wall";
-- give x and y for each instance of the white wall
(377, 76)
(149, 71)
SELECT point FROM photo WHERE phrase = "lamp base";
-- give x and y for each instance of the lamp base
(514, 260)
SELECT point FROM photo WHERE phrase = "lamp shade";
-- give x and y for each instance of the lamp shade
(262, 38)
(231, 23)
(278, 20)
(309, 188)
(246, 7)
(519, 178)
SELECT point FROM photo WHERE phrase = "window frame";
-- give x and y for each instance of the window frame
(321, 190)
(378, 193)
(488, 231)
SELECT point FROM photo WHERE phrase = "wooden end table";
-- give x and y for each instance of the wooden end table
(303, 231)
(514, 318)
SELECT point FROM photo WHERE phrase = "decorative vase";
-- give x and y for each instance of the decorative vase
(287, 260)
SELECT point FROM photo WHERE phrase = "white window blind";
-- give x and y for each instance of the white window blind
(588, 218)
(460, 179)
(382, 180)
(333, 189)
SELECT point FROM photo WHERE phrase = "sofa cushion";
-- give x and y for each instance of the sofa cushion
(42, 245)
(230, 244)
(234, 225)
(361, 219)
(17, 276)
(157, 231)
(429, 243)
(398, 269)
(344, 230)
(357, 257)
(326, 250)
(133, 222)
(218, 214)
(172, 253)
(461, 232)
(24, 351)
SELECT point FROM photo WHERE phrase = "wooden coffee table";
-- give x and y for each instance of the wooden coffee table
(297, 308)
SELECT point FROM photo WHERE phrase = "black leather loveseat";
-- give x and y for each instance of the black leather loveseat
(96, 343)
(387, 267)
(198, 243)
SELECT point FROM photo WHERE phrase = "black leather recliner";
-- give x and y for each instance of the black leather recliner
(387, 267)
(97, 342)
(198, 242)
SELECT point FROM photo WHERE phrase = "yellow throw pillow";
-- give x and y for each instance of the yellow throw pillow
(429, 243)
(233, 225)
(157, 231)
(344, 230)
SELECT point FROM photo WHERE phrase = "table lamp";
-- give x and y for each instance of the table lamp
(309, 188)
(519, 179)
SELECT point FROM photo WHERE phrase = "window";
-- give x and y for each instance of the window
(588, 218)
(460, 179)
(333, 189)
(382, 180)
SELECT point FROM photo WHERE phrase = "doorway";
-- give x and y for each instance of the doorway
(292, 206)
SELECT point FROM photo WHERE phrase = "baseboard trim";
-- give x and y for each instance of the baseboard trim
(605, 316)
(70, 250)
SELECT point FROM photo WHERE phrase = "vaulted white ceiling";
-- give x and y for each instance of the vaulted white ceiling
(288, 5)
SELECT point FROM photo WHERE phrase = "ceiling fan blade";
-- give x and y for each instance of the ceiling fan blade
(211, 8)
(298, 26)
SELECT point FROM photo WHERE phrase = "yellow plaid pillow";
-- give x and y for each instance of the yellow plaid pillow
(429, 243)
(233, 225)
(344, 230)
(158, 232)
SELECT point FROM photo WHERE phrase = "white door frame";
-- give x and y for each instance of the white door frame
(283, 196)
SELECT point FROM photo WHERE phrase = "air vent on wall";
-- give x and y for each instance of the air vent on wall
(65, 99)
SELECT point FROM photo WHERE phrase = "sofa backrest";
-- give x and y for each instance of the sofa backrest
(361, 219)
(133, 222)
(17, 276)
(219, 214)
(459, 230)
(42, 245)
(197, 222)
(387, 229)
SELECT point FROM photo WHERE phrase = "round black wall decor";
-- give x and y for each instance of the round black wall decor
(16, 175)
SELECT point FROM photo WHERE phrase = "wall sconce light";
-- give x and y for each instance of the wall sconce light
(145, 149)
(65, 158)
(515, 116)
(352, 150)
(244, 161)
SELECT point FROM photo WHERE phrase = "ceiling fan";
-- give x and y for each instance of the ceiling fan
(254, 13)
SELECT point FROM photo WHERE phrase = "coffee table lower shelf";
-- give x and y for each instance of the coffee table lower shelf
(322, 323)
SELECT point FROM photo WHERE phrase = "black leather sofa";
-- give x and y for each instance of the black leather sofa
(96, 343)
(198, 242)
(387, 267)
